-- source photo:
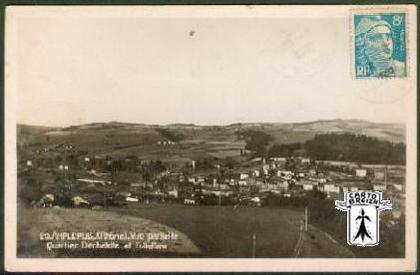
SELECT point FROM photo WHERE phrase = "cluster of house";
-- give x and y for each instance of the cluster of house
(271, 176)
(252, 179)
(49, 200)
(165, 142)
(56, 148)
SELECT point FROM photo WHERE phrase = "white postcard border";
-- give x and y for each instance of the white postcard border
(12, 263)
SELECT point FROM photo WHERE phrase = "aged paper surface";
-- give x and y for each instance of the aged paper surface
(210, 138)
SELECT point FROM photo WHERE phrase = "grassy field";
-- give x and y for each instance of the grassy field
(33, 221)
(205, 231)
(225, 231)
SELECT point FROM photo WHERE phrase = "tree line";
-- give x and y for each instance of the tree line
(343, 147)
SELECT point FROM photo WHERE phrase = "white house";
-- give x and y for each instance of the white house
(259, 183)
(103, 182)
(379, 174)
(331, 188)
(190, 201)
(242, 182)
(173, 193)
(131, 199)
(398, 187)
(283, 184)
(243, 176)
(79, 201)
(257, 173)
(305, 160)
(278, 159)
(138, 184)
(308, 187)
(322, 180)
(46, 201)
(361, 173)
(379, 187)
(396, 214)
(224, 186)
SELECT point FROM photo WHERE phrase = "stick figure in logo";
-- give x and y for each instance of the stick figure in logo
(362, 229)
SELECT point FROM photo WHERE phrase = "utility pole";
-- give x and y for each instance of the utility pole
(306, 218)
(385, 176)
(254, 244)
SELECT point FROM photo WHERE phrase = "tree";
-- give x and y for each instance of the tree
(256, 141)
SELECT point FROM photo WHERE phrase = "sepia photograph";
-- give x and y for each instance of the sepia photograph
(212, 138)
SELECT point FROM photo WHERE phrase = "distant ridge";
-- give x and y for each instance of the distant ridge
(237, 124)
(119, 137)
(181, 125)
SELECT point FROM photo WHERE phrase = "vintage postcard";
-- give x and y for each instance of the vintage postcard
(211, 138)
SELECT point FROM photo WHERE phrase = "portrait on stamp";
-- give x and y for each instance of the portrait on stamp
(380, 45)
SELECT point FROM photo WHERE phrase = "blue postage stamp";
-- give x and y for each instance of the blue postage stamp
(380, 46)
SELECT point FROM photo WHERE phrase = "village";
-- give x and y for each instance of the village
(62, 178)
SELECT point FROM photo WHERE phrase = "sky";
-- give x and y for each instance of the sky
(204, 70)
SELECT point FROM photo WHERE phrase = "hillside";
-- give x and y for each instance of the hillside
(300, 132)
(191, 141)
(35, 221)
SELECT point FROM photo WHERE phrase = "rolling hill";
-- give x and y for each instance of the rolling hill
(193, 141)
